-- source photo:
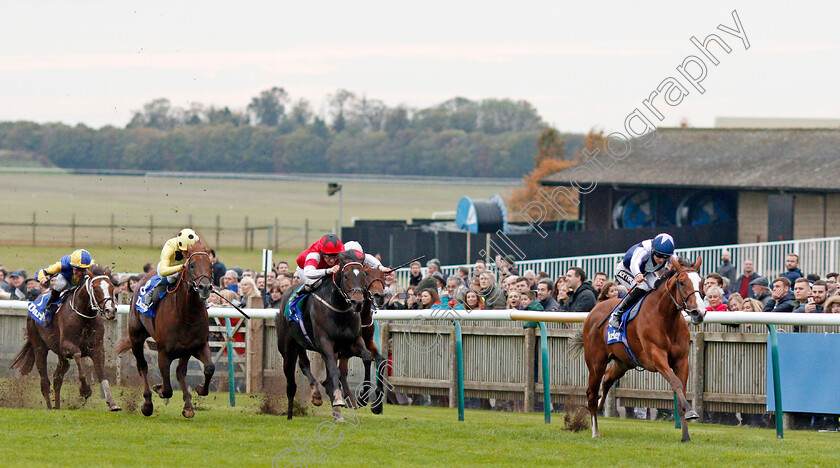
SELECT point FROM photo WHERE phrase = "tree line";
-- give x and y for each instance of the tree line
(460, 137)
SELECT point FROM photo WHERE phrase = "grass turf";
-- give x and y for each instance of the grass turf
(405, 436)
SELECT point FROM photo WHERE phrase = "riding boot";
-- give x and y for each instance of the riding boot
(52, 303)
(626, 303)
(154, 295)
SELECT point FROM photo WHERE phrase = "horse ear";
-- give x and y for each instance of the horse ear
(676, 264)
(698, 263)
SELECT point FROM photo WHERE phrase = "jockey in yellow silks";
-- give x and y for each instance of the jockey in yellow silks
(172, 260)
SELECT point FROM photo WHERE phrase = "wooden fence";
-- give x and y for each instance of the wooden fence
(248, 233)
(728, 363)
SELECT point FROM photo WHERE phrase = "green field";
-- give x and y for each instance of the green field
(172, 202)
(402, 436)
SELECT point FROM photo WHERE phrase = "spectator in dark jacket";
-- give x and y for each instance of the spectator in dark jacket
(415, 275)
(548, 303)
(742, 284)
(792, 264)
(760, 289)
(219, 269)
(493, 296)
(726, 268)
(580, 296)
(782, 299)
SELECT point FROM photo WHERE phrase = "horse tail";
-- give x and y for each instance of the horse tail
(123, 345)
(25, 358)
(576, 344)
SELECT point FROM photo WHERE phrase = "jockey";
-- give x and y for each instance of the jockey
(319, 260)
(642, 265)
(172, 260)
(367, 259)
(68, 271)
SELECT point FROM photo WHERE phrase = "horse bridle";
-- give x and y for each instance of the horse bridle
(193, 283)
(684, 307)
(341, 290)
(97, 306)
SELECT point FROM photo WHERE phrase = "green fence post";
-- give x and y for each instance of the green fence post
(677, 423)
(777, 380)
(378, 341)
(545, 374)
(459, 358)
(231, 373)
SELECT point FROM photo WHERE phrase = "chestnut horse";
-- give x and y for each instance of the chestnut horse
(180, 330)
(331, 316)
(658, 337)
(77, 332)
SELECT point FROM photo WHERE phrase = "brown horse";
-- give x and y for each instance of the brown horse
(77, 332)
(180, 330)
(658, 337)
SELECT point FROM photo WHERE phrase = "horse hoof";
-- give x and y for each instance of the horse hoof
(376, 409)
(201, 391)
(340, 404)
(85, 393)
(188, 413)
(317, 401)
(114, 407)
(691, 415)
(337, 416)
(147, 409)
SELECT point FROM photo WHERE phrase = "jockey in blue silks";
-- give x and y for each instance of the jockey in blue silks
(638, 271)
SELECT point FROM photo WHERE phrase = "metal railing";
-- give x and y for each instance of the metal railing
(815, 256)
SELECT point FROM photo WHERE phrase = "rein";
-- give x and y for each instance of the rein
(193, 283)
(341, 290)
(94, 305)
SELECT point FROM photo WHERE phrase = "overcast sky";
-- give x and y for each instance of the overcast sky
(582, 66)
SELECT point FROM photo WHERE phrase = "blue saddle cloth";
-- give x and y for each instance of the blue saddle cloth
(141, 307)
(619, 335)
(293, 312)
(40, 311)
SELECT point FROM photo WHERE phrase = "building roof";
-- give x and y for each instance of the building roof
(717, 158)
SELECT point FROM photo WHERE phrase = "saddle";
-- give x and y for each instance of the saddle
(619, 335)
(293, 312)
(42, 311)
(140, 305)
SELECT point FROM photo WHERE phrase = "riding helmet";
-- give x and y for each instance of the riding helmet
(186, 238)
(331, 245)
(81, 259)
(663, 244)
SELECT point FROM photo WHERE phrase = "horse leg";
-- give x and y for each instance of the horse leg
(289, 360)
(41, 363)
(143, 370)
(206, 359)
(343, 366)
(164, 390)
(660, 360)
(596, 362)
(688, 414)
(70, 349)
(306, 367)
(97, 355)
(181, 375)
(334, 386)
(614, 372)
(58, 378)
(359, 349)
(381, 374)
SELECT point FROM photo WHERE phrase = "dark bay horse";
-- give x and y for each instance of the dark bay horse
(77, 332)
(658, 337)
(331, 316)
(180, 330)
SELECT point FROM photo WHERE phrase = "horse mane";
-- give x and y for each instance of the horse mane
(349, 256)
(683, 260)
(197, 247)
(98, 270)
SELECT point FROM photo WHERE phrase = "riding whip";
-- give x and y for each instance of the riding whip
(232, 305)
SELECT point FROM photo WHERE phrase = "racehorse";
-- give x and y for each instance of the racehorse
(331, 316)
(77, 331)
(658, 338)
(375, 288)
(180, 330)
